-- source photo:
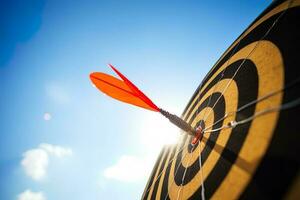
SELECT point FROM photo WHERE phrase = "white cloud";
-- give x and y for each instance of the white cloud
(35, 161)
(129, 169)
(29, 195)
(56, 150)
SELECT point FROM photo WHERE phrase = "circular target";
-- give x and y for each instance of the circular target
(242, 106)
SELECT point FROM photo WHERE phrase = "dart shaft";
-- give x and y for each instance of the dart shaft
(180, 123)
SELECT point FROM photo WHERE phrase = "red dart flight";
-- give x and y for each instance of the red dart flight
(124, 90)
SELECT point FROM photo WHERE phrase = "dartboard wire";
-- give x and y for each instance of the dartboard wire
(200, 164)
(200, 159)
(223, 72)
(175, 175)
(250, 53)
(209, 100)
(176, 154)
(222, 75)
(200, 153)
(265, 97)
(233, 124)
(184, 173)
(197, 112)
(201, 172)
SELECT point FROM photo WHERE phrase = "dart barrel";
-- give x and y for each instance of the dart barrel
(255, 88)
(180, 123)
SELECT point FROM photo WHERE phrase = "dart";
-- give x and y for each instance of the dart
(124, 90)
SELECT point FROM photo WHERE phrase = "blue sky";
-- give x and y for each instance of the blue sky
(62, 139)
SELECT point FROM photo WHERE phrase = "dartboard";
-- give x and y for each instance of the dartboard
(248, 108)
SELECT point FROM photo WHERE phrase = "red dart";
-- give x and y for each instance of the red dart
(124, 90)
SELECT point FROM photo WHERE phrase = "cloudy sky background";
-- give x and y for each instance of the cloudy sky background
(62, 139)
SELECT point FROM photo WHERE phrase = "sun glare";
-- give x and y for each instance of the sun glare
(157, 131)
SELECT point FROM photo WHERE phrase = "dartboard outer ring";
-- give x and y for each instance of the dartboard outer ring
(254, 160)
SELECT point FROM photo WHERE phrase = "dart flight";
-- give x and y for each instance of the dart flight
(124, 90)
